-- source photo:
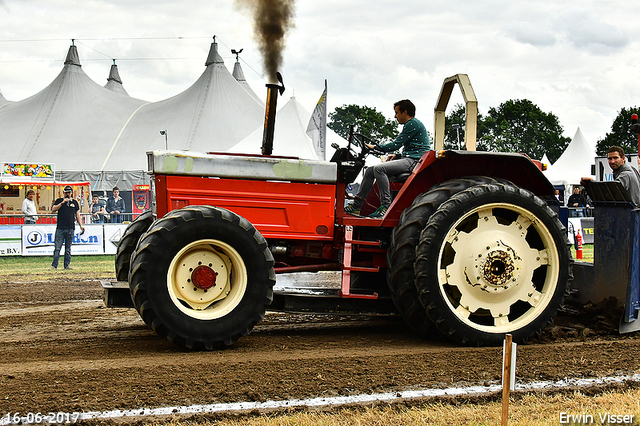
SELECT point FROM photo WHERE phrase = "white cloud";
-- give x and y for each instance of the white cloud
(588, 30)
(575, 59)
(530, 33)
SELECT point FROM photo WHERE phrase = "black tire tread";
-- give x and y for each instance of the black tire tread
(128, 242)
(426, 258)
(154, 241)
(401, 253)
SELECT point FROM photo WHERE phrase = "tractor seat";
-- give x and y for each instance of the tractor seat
(402, 177)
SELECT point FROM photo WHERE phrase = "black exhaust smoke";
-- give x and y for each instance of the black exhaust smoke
(271, 21)
(270, 115)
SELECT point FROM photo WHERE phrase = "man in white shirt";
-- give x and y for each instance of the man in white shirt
(29, 208)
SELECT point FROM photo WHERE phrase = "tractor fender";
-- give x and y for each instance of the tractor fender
(439, 166)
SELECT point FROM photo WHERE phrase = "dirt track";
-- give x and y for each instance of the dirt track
(63, 351)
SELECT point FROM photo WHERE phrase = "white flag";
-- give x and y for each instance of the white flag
(317, 127)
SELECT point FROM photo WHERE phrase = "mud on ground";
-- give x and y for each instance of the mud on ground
(63, 351)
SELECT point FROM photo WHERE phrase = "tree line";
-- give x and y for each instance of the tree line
(514, 126)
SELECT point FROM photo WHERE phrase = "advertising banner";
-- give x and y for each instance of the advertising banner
(140, 198)
(587, 230)
(39, 240)
(28, 170)
(10, 240)
(112, 234)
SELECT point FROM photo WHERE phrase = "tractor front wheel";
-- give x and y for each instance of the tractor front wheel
(202, 277)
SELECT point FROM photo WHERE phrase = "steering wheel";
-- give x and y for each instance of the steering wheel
(363, 140)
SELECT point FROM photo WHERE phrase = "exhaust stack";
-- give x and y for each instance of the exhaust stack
(270, 114)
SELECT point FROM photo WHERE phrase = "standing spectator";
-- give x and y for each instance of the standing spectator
(556, 193)
(67, 209)
(115, 206)
(623, 173)
(29, 208)
(577, 202)
(97, 210)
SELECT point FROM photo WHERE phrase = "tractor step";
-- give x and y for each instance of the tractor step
(116, 294)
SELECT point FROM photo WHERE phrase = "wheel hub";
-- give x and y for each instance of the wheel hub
(201, 276)
(498, 268)
(204, 277)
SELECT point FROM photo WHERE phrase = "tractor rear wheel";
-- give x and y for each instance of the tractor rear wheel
(492, 260)
(202, 277)
(401, 254)
(128, 243)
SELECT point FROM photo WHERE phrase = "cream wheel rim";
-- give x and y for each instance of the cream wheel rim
(498, 268)
(207, 279)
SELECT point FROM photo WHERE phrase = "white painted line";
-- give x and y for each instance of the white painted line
(341, 400)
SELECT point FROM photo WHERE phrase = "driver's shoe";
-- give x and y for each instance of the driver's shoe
(379, 213)
(352, 209)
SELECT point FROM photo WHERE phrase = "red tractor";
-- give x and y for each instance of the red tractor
(471, 247)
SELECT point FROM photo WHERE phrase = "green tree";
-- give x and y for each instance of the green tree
(457, 116)
(621, 134)
(367, 121)
(521, 126)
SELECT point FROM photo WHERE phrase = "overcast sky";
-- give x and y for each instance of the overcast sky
(577, 59)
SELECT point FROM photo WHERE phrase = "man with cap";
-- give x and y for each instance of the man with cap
(67, 209)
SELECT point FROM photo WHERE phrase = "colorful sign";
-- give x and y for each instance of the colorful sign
(39, 240)
(140, 196)
(25, 170)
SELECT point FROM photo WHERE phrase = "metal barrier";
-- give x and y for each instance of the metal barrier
(580, 211)
(106, 218)
(51, 219)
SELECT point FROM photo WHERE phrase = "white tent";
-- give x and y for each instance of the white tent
(71, 123)
(214, 114)
(101, 134)
(238, 74)
(574, 163)
(114, 83)
(85, 128)
(3, 101)
(290, 138)
(545, 160)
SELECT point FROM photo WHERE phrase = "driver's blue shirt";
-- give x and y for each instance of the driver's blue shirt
(413, 139)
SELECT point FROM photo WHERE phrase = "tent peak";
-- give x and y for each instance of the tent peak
(114, 75)
(574, 163)
(72, 56)
(214, 57)
(237, 72)
(114, 82)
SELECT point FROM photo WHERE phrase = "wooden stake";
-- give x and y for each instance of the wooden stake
(506, 379)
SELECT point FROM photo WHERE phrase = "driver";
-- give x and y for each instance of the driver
(414, 141)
